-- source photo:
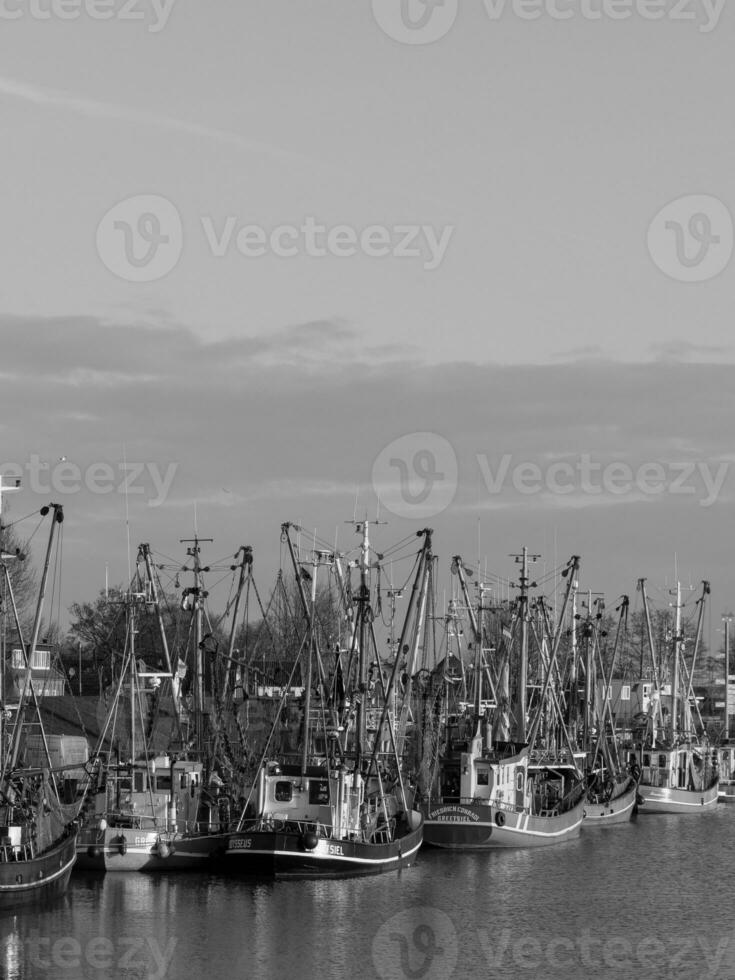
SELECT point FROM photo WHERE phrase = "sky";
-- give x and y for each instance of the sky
(466, 266)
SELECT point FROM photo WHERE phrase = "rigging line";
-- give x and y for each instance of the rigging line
(404, 542)
(35, 531)
(174, 561)
(219, 581)
(6, 527)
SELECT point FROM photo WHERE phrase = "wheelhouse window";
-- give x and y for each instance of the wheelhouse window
(284, 791)
(318, 792)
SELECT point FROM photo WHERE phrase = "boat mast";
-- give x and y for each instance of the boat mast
(728, 620)
(131, 627)
(590, 644)
(199, 595)
(363, 600)
(571, 569)
(422, 568)
(4, 488)
(523, 559)
(654, 663)
(246, 569)
(28, 652)
(476, 621)
(676, 644)
(574, 678)
(145, 552)
(309, 673)
(587, 635)
(688, 671)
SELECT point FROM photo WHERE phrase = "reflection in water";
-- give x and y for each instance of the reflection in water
(648, 899)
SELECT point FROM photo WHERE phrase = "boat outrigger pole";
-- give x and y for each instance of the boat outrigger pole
(477, 635)
(145, 553)
(313, 644)
(28, 651)
(656, 718)
(523, 559)
(424, 563)
(570, 571)
(199, 595)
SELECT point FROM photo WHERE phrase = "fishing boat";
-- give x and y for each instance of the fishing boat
(612, 783)
(344, 809)
(158, 812)
(488, 790)
(679, 771)
(37, 830)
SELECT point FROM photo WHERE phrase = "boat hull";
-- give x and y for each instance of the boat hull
(286, 854)
(480, 827)
(660, 799)
(123, 849)
(617, 811)
(40, 879)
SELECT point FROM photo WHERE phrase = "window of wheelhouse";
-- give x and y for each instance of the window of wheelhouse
(450, 784)
(284, 791)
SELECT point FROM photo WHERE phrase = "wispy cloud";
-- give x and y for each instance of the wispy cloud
(93, 108)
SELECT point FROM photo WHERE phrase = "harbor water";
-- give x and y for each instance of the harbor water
(651, 899)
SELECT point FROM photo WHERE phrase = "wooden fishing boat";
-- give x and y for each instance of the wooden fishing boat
(167, 812)
(612, 786)
(492, 792)
(323, 824)
(37, 830)
(680, 779)
(615, 805)
(505, 800)
(344, 810)
(29, 876)
(679, 773)
(150, 816)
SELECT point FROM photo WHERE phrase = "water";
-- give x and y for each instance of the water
(651, 899)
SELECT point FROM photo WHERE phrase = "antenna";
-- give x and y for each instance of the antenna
(479, 548)
(354, 509)
(127, 511)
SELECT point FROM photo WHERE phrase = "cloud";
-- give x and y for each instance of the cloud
(256, 430)
(683, 350)
(94, 109)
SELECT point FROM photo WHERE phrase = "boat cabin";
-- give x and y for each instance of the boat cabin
(682, 767)
(151, 794)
